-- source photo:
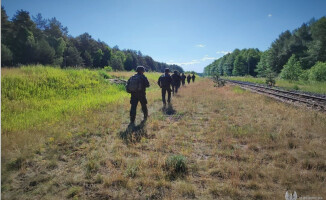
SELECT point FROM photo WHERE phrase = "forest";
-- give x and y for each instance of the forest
(32, 40)
(296, 55)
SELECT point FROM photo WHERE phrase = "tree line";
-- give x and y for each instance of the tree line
(35, 40)
(300, 54)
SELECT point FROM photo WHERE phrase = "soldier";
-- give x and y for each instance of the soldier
(193, 77)
(175, 82)
(188, 78)
(183, 79)
(137, 85)
(165, 82)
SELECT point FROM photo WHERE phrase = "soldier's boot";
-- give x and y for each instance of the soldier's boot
(132, 119)
(145, 111)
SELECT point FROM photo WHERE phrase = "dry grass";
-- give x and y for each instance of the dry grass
(238, 145)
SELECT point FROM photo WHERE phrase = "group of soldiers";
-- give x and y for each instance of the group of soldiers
(165, 81)
(175, 80)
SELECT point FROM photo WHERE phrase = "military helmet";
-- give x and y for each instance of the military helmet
(140, 69)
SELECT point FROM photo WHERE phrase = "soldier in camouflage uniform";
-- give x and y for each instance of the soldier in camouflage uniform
(188, 78)
(165, 83)
(176, 79)
(139, 96)
(193, 78)
(183, 79)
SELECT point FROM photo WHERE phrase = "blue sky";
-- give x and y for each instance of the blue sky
(190, 33)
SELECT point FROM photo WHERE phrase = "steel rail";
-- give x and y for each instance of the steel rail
(314, 101)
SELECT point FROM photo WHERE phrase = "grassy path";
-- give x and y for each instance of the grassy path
(238, 145)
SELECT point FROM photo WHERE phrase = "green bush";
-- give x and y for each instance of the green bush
(176, 166)
(108, 69)
(318, 72)
(292, 70)
(304, 75)
(103, 74)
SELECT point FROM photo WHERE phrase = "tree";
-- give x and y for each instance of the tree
(6, 56)
(87, 58)
(128, 65)
(24, 46)
(317, 48)
(55, 29)
(292, 70)
(318, 72)
(44, 54)
(72, 57)
(240, 66)
(279, 51)
(116, 62)
(263, 64)
(98, 58)
(40, 22)
(106, 56)
(6, 28)
(253, 57)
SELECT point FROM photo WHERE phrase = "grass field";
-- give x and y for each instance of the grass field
(315, 87)
(211, 143)
(35, 99)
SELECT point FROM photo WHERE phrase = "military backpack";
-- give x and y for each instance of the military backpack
(134, 84)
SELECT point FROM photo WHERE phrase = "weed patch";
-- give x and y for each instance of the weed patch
(176, 166)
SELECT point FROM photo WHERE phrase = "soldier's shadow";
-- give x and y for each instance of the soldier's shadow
(134, 133)
(168, 110)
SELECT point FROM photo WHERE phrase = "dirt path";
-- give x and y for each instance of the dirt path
(237, 145)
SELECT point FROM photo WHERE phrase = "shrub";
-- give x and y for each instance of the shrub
(270, 77)
(103, 74)
(304, 75)
(318, 72)
(176, 166)
(108, 69)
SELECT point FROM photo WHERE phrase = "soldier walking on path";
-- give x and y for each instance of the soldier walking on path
(188, 78)
(193, 78)
(165, 83)
(176, 79)
(137, 85)
(183, 79)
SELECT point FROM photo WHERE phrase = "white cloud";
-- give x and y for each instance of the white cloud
(206, 57)
(223, 52)
(200, 45)
(192, 62)
(269, 15)
(184, 63)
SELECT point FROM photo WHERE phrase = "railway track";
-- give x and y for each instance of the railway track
(309, 100)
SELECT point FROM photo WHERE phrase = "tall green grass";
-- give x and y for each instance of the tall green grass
(33, 95)
(315, 87)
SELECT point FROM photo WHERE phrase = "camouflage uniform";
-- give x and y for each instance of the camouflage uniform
(176, 79)
(183, 79)
(188, 78)
(193, 78)
(165, 82)
(139, 97)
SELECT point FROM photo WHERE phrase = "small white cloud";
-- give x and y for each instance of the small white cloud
(223, 52)
(184, 63)
(206, 57)
(269, 15)
(200, 45)
(192, 62)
